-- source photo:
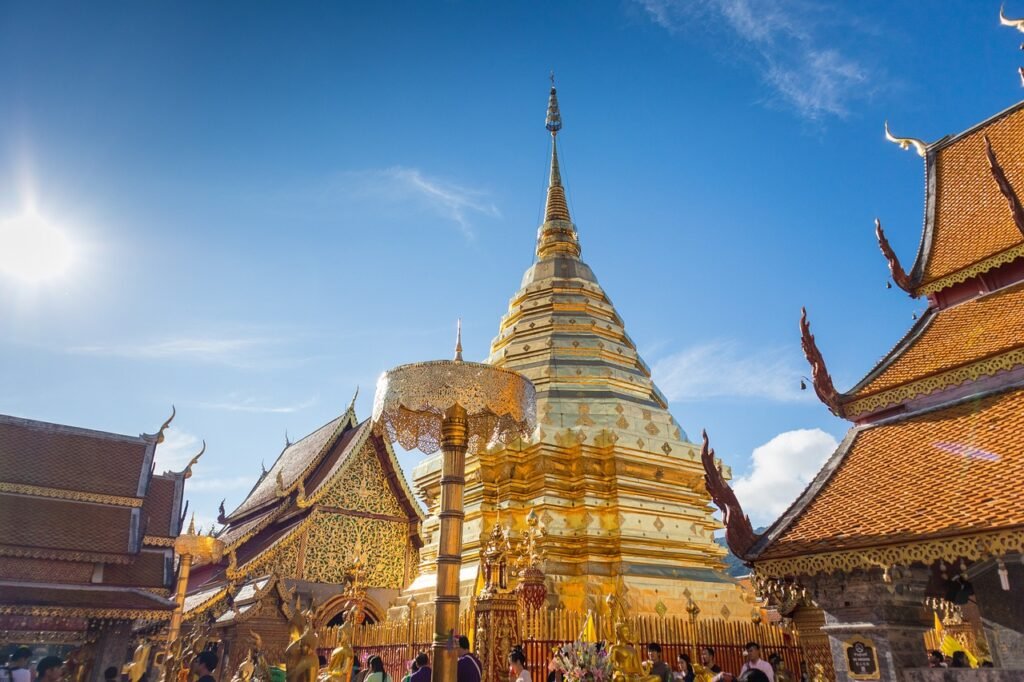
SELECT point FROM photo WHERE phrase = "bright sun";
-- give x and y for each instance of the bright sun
(32, 250)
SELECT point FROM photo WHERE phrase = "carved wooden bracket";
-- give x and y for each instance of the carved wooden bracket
(899, 275)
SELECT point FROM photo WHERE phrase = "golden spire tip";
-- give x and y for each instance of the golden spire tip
(458, 340)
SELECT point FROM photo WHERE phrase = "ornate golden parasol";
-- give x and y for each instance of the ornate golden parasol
(451, 405)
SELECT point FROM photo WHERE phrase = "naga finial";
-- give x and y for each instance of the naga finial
(458, 340)
(187, 473)
(899, 275)
(739, 533)
(823, 385)
(920, 146)
(1012, 23)
(222, 515)
(352, 403)
(287, 440)
(163, 427)
(999, 175)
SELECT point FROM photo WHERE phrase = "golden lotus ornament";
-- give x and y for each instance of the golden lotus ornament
(452, 406)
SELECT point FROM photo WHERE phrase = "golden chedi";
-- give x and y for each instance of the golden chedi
(613, 478)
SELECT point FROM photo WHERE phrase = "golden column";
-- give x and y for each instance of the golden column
(190, 547)
(452, 405)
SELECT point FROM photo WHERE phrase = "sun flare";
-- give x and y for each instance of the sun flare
(32, 250)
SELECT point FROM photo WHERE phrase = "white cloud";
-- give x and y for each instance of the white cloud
(400, 186)
(783, 38)
(225, 350)
(721, 369)
(780, 470)
(236, 403)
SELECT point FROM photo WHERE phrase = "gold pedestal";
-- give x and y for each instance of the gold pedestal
(497, 631)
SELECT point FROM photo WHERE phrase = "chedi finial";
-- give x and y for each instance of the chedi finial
(554, 119)
(458, 340)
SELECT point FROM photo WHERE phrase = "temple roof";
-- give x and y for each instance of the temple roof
(80, 495)
(294, 463)
(96, 601)
(968, 227)
(947, 471)
(944, 348)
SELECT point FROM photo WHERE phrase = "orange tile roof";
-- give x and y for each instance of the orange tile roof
(950, 338)
(951, 471)
(972, 221)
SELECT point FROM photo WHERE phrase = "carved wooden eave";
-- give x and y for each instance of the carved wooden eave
(899, 276)
(739, 533)
(999, 176)
(820, 377)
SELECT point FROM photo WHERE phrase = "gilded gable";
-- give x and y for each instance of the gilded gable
(361, 485)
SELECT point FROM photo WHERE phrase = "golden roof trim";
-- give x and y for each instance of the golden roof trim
(979, 268)
(42, 636)
(953, 377)
(74, 495)
(157, 541)
(64, 555)
(84, 612)
(270, 517)
(973, 547)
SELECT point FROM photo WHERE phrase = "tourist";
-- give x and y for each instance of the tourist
(755, 662)
(206, 663)
(111, 674)
(707, 659)
(936, 659)
(422, 663)
(658, 666)
(412, 668)
(959, 660)
(779, 666)
(377, 672)
(49, 669)
(517, 664)
(18, 665)
(684, 672)
(469, 668)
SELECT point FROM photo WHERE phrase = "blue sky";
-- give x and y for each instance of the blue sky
(270, 204)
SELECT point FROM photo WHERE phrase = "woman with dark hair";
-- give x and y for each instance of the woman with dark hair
(684, 669)
(517, 665)
(377, 672)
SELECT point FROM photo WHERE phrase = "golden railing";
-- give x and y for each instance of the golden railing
(397, 642)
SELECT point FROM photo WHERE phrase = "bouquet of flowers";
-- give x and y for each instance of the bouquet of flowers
(582, 662)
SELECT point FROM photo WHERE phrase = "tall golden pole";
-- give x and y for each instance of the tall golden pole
(184, 568)
(451, 405)
(190, 546)
(454, 443)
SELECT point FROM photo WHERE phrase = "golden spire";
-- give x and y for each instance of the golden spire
(458, 340)
(557, 234)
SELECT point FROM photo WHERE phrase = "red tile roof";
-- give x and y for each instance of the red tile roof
(79, 597)
(970, 221)
(145, 570)
(954, 470)
(45, 523)
(55, 456)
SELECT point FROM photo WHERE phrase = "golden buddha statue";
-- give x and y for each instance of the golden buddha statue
(140, 662)
(339, 667)
(302, 662)
(625, 661)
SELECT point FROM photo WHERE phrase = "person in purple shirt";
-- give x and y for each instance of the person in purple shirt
(469, 669)
(422, 668)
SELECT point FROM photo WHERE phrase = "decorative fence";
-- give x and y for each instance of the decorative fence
(398, 642)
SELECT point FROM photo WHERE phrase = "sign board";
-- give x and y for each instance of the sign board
(861, 659)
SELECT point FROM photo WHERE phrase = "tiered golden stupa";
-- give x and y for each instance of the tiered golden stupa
(612, 476)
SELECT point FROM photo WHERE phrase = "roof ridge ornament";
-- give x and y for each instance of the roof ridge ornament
(739, 532)
(187, 472)
(920, 146)
(820, 378)
(352, 403)
(899, 275)
(163, 427)
(999, 175)
(1012, 23)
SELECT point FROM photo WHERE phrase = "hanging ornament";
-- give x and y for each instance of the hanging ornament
(1004, 575)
